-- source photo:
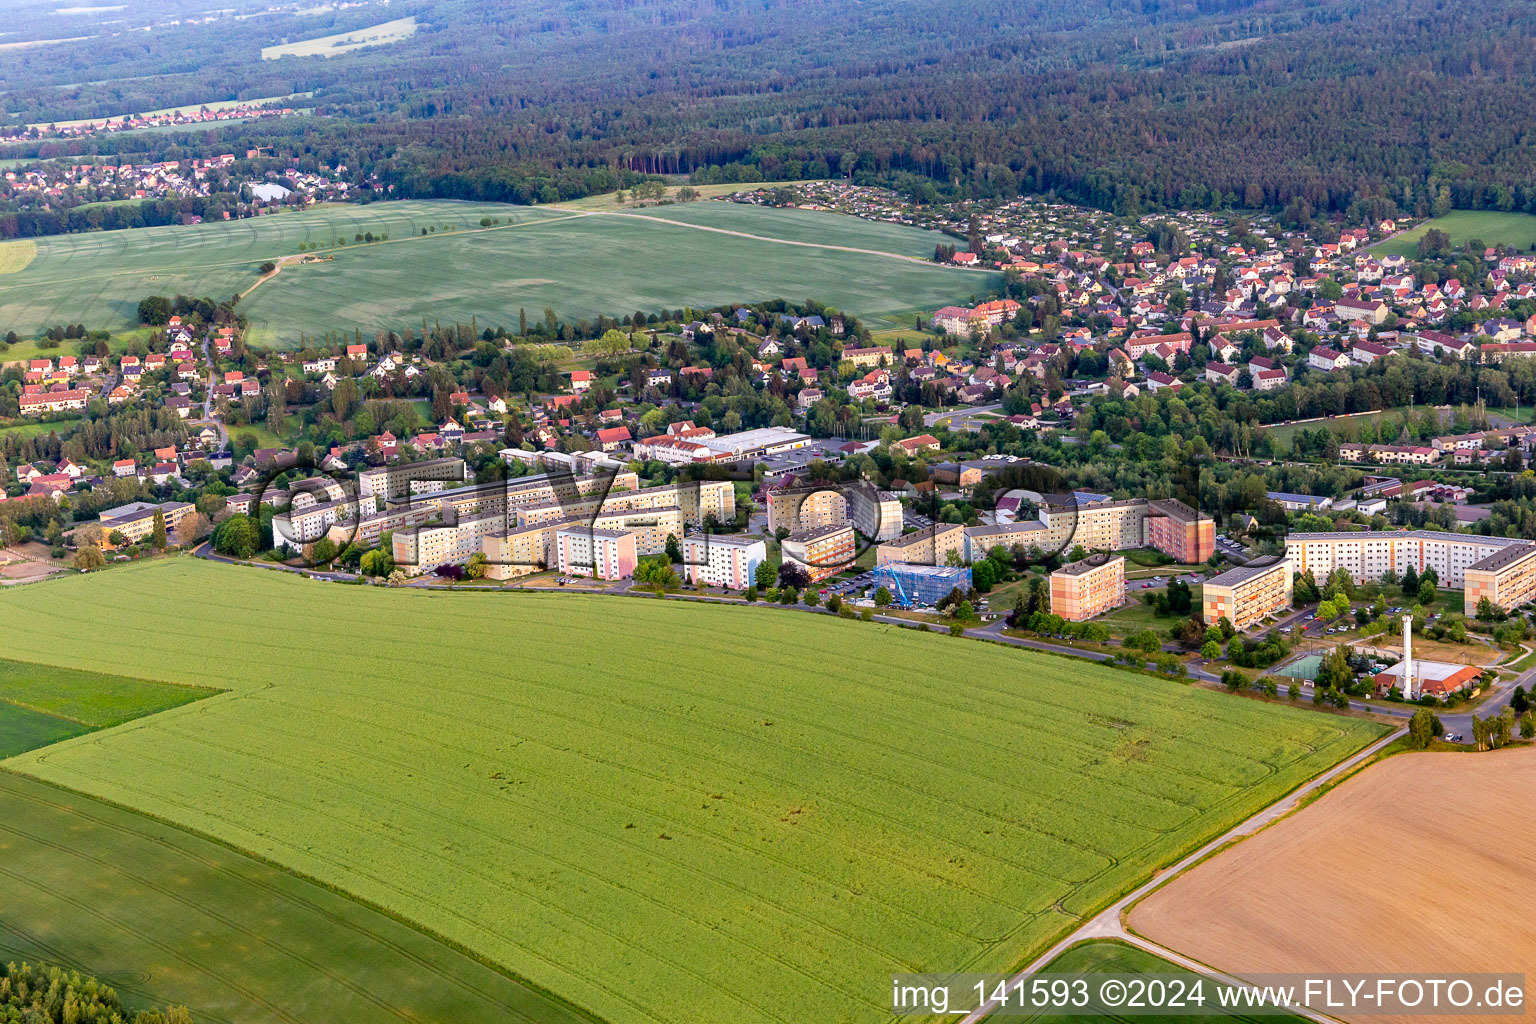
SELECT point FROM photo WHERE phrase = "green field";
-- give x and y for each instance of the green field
(42, 704)
(661, 811)
(1109, 957)
(579, 264)
(1494, 228)
(97, 700)
(24, 729)
(168, 918)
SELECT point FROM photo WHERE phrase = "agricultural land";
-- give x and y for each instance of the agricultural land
(581, 264)
(1253, 909)
(40, 704)
(344, 42)
(706, 829)
(166, 917)
(1491, 227)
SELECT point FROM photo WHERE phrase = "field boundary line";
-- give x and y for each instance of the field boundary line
(1108, 923)
(578, 1011)
(920, 261)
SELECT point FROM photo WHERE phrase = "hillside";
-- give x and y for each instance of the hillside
(1121, 104)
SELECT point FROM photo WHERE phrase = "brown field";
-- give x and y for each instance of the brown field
(1439, 650)
(1420, 863)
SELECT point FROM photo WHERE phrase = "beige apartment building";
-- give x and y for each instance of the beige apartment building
(929, 546)
(1087, 588)
(522, 550)
(1507, 578)
(424, 548)
(806, 507)
(402, 479)
(1247, 595)
(136, 521)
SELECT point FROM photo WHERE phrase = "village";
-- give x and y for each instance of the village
(786, 451)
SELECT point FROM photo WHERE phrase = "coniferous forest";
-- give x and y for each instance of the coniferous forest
(1306, 106)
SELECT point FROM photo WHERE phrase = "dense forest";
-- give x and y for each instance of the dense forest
(1305, 105)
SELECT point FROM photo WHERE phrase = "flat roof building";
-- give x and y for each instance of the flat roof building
(822, 552)
(722, 560)
(1247, 595)
(928, 546)
(806, 507)
(920, 584)
(1087, 588)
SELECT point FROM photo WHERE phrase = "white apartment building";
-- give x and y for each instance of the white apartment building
(1370, 555)
(875, 513)
(424, 548)
(722, 560)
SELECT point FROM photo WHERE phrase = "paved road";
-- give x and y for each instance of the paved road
(208, 415)
(933, 419)
(1107, 924)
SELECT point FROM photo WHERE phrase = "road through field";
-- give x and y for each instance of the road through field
(1108, 924)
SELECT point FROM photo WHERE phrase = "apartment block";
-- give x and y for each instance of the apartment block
(402, 479)
(1370, 555)
(510, 553)
(806, 507)
(1102, 526)
(875, 513)
(1179, 531)
(1507, 578)
(1090, 587)
(424, 548)
(1248, 594)
(821, 552)
(928, 546)
(979, 540)
(136, 521)
(593, 551)
(722, 560)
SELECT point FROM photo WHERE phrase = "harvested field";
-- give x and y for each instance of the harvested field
(1416, 864)
(344, 42)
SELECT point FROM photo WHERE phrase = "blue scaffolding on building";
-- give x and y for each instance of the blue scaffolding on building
(912, 584)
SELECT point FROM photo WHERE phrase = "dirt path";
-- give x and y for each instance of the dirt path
(1422, 864)
(1108, 924)
(277, 268)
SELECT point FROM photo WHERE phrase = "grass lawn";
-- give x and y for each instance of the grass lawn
(708, 831)
(37, 428)
(265, 438)
(1493, 227)
(1344, 426)
(902, 339)
(580, 264)
(609, 201)
(1133, 616)
(167, 918)
(28, 348)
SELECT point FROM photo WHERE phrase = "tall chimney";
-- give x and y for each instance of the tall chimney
(1407, 657)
